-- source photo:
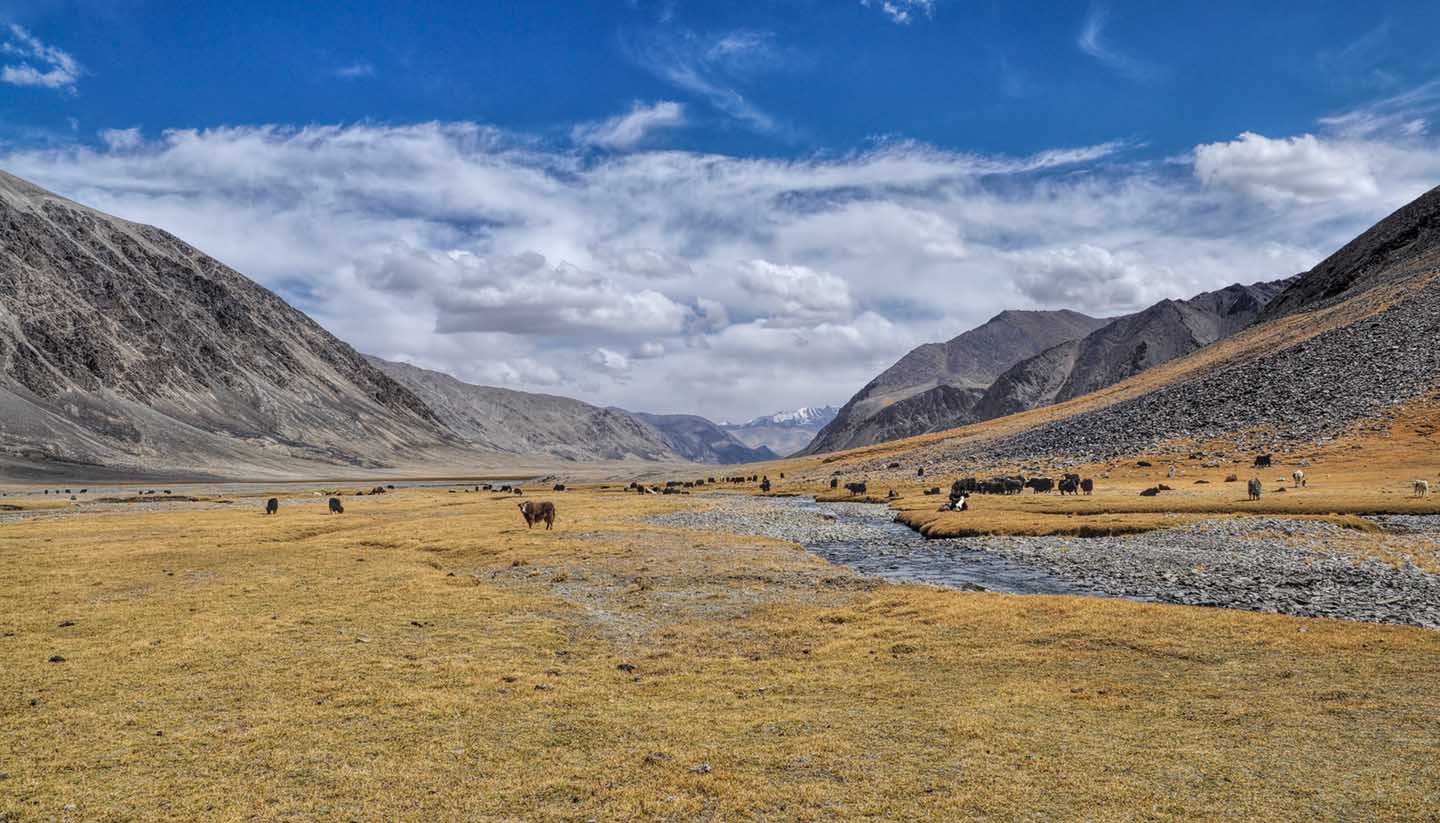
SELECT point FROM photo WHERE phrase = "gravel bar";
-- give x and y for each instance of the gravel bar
(1269, 564)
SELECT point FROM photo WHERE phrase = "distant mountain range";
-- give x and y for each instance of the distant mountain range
(1041, 357)
(785, 432)
(940, 382)
(505, 420)
(1343, 350)
(126, 352)
(695, 438)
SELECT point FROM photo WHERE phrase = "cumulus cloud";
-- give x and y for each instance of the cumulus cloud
(745, 284)
(791, 295)
(1301, 169)
(1090, 279)
(121, 139)
(611, 362)
(902, 12)
(624, 131)
(37, 64)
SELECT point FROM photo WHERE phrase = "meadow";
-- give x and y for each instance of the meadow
(425, 656)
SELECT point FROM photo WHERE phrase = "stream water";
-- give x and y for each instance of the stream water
(894, 552)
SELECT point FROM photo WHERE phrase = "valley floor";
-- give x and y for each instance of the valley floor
(424, 656)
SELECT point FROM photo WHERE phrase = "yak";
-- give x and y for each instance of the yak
(335, 506)
(272, 505)
(537, 512)
(1041, 485)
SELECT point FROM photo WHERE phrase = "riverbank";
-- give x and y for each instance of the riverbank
(1302, 567)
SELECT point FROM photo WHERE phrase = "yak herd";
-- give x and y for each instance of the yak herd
(960, 490)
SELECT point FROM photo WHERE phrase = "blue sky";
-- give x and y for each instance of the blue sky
(733, 207)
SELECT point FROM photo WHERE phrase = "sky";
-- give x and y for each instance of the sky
(723, 208)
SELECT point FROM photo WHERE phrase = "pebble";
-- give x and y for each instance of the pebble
(1271, 564)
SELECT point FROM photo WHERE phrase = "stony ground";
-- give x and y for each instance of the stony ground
(1270, 564)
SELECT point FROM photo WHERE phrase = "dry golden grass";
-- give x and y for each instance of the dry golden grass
(227, 666)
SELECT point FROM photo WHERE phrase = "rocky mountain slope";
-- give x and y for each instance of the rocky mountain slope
(122, 346)
(697, 439)
(969, 362)
(525, 423)
(1394, 249)
(1123, 348)
(783, 432)
(1350, 341)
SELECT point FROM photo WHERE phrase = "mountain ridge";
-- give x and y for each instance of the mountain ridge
(971, 360)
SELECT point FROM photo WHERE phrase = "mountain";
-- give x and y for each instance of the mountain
(969, 362)
(1392, 250)
(695, 438)
(525, 423)
(1124, 347)
(1344, 348)
(123, 347)
(783, 432)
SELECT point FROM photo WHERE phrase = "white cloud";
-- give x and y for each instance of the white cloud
(902, 11)
(1300, 169)
(712, 68)
(1406, 114)
(1090, 279)
(356, 70)
(611, 362)
(122, 139)
(1091, 41)
(745, 284)
(39, 64)
(790, 296)
(624, 131)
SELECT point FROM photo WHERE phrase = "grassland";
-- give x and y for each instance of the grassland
(425, 657)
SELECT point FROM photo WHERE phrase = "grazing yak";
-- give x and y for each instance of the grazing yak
(1041, 485)
(335, 506)
(1070, 485)
(272, 505)
(1087, 485)
(1422, 488)
(1299, 478)
(765, 485)
(855, 488)
(535, 512)
(1263, 461)
(834, 482)
(1255, 487)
